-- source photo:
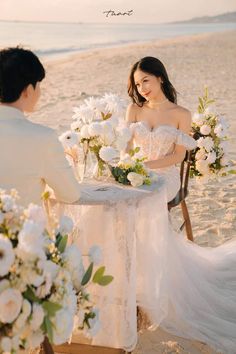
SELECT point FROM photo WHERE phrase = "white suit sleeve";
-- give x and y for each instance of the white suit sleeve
(57, 172)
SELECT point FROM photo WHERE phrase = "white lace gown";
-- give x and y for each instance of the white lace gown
(193, 287)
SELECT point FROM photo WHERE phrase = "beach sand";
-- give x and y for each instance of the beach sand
(192, 62)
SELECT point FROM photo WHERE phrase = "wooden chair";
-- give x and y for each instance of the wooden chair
(182, 194)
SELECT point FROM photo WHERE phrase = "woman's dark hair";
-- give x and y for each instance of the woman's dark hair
(155, 67)
(18, 69)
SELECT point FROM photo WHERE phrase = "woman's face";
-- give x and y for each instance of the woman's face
(148, 85)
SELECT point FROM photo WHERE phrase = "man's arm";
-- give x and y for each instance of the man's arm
(57, 172)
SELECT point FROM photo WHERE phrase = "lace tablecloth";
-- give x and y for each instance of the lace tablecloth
(125, 222)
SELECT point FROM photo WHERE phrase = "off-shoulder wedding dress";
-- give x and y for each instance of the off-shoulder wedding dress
(193, 287)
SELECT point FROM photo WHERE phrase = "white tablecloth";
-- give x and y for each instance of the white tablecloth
(125, 222)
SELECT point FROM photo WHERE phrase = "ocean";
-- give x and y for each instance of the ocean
(52, 40)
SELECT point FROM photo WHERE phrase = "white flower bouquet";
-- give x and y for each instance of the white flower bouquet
(98, 128)
(210, 159)
(130, 170)
(42, 279)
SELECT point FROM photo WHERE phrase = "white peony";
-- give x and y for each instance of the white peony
(10, 305)
(7, 255)
(135, 179)
(108, 153)
(198, 118)
(95, 254)
(211, 157)
(95, 129)
(65, 225)
(205, 129)
(37, 317)
(62, 326)
(69, 139)
(84, 132)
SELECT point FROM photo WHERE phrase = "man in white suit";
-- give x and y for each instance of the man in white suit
(30, 154)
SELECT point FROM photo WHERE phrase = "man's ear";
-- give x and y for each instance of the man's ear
(27, 91)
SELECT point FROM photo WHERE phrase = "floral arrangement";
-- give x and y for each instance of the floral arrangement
(210, 158)
(98, 130)
(42, 279)
(130, 170)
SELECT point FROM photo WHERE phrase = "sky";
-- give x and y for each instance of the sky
(149, 11)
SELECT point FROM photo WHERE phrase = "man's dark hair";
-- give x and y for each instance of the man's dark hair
(18, 69)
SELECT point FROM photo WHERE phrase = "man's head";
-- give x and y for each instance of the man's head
(20, 75)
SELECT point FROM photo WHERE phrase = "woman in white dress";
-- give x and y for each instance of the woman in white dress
(195, 294)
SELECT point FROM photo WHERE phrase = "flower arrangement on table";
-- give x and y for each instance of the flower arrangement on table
(98, 133)
(42, 279)
(210, 159)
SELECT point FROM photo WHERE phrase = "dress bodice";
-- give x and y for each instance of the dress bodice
(160, 141)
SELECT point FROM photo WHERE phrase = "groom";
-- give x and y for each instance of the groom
(30, 154)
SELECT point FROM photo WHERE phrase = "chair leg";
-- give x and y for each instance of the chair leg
(188, 226)
(46, 347)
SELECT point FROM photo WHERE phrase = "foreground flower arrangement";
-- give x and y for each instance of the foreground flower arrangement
(210, 158)
(42, 279)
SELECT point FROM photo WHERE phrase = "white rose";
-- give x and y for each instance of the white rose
(200, 154)
(6, 344)
(206, 142)
(205, 129)
(7, 255)
(95, 254)
(198, 118)
(66, 225)
(135, 179)
(62, 326)
(10, 305)
(26, 308)
(4, 284)
(31, 239)
(211, 157)
(37, 317)
(84, 132)
(95, 129)
(69, 139)
(108, 153)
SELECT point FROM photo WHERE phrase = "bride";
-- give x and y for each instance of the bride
(196, 296)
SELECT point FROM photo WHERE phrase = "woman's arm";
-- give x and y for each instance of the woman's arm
(130, 117)
(180, 151)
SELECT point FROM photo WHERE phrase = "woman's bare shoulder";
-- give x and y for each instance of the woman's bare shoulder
(181, 113)
(132, 112)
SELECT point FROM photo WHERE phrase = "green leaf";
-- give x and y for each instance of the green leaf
(232, 172)
(87, 275)
(137, 149)
(98, 274)
(58, 240)
(51, 307)
(47, 328)
(30, 295)
(105, 280)
(62, 244)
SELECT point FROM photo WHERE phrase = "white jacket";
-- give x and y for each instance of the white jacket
(31, 156)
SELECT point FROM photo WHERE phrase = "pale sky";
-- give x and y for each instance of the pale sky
(149, 11)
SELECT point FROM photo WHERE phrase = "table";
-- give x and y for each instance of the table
(125, 222)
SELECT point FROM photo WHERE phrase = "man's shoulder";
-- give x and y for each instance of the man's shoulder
(40, 130)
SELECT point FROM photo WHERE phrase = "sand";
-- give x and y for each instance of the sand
(192, 62)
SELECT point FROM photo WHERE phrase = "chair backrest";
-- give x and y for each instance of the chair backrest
(184, 170)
